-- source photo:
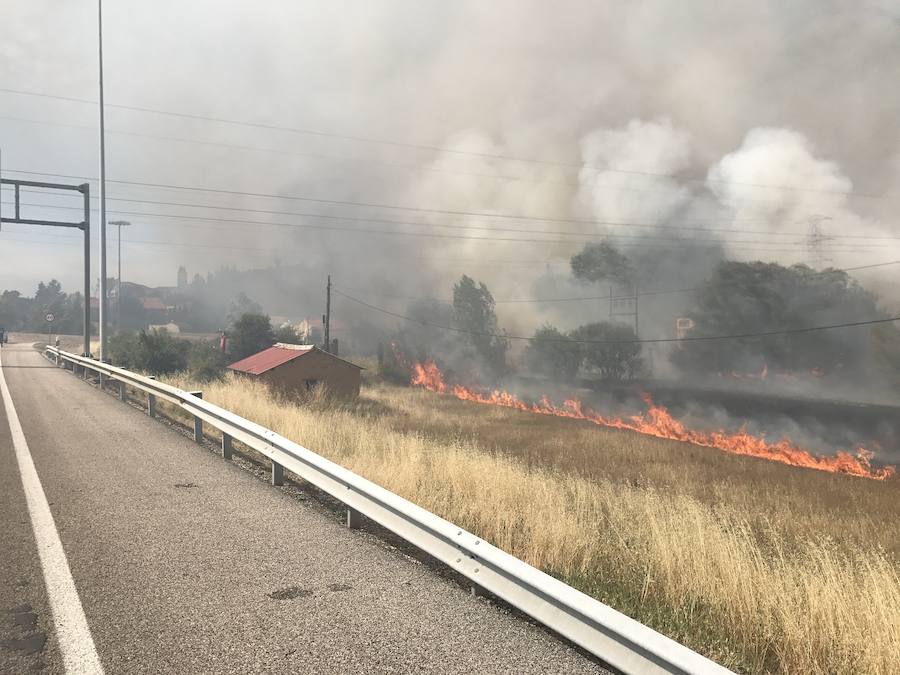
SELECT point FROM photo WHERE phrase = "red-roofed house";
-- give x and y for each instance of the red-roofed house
(298, 369)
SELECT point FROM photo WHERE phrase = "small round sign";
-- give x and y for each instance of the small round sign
(49, 318)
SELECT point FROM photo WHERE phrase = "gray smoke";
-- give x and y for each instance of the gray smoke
(720, 98)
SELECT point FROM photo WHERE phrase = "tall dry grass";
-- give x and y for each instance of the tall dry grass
(706, 572)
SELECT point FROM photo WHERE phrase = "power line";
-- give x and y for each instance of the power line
(697, 338)
(335, 202)
(763, 246)
(433, 148)
(666, 291)
(611, 223)
(589, 235)
(364, 160)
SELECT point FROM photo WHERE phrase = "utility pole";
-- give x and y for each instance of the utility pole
(85, 189)
(119, 224)
(328, 315)
(104, 355)
(636, 325)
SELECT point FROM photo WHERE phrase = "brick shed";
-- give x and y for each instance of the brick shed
(300, 368)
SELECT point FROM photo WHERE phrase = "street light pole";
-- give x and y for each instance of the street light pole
(119, 224)
(104, 356)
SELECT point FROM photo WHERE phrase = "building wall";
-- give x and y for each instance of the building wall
(341, 379)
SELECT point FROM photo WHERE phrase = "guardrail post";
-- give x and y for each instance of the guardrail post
(151, 400)
(198, 423)
(123, 393)
(226, 446)
(100, 381)
(354, 518)
(277, 474)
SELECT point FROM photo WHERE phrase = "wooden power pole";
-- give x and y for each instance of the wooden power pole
(328, 315)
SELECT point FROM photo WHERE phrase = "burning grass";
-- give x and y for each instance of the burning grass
(762, 566)
(657, 421)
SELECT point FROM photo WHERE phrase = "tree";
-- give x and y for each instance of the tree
(242, 305)
(553, 354)
(14, 310)
(205, 362)
(155, 352)
(287, 333)
(250, 334)
(48, 299)
(611, 348)
(473, 307)
(758, 297)
(599, 262)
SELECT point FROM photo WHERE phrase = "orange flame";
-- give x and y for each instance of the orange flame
(658, 422)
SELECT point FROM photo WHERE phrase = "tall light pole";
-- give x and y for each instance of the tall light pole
(104, 356)
(119, 224)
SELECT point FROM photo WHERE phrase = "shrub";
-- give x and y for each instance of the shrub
(205, 362)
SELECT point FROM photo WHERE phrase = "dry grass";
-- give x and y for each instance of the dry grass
(760, 566)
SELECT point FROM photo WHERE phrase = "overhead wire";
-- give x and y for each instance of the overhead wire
(758, 246)
(341, 203)
(640, 294)
(365, 160)
(591, 236)
(431, 148)
(695, 338)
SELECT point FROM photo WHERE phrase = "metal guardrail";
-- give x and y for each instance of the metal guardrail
(616, 639)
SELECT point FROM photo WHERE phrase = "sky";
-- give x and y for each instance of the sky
(398, 144)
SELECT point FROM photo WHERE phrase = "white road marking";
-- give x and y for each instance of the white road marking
(72, 632)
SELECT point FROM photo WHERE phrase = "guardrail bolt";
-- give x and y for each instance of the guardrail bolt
(198, 423)
(354, 518)
(277, 474)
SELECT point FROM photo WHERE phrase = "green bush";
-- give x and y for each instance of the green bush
(156, 352)
(205, 362)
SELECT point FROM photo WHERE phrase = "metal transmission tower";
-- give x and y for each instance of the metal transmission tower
(119, 224)
(625, 306)
(815, 239)
(84, 226)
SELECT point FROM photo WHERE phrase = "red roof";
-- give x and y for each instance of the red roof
(263, 361)
(153, 304)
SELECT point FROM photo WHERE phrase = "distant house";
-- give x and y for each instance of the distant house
(297, 369)
(154, 309)
(170, 328)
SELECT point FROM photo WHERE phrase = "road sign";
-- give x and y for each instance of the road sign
(49, 318)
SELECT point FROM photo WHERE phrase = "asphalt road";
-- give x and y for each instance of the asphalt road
(184, 563)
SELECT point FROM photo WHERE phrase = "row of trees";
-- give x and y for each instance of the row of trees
(609, 349)
(737, 298)
(21, 313)
(159, 353)
(472, 344)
